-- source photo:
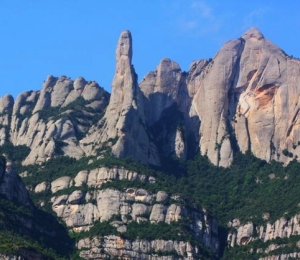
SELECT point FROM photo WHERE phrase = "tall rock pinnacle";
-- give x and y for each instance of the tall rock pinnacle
(124, 88)
(123, 125)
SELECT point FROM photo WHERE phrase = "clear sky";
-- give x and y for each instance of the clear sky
(79, 37)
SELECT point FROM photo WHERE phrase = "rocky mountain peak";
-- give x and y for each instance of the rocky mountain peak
(79, 84)
(253, 33)
(6, 102)
(160, 89)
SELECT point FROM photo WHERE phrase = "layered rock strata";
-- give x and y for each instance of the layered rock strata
(103, 247)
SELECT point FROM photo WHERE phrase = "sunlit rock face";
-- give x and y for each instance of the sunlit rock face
(52, 121)
(248, 99)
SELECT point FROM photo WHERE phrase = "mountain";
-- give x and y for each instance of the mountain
(200, 164)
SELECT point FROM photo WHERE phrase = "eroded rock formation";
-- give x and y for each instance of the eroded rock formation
(52, 121)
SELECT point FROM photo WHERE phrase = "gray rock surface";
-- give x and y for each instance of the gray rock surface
(60, 184)
(249, 89)
(160, 88)
(282, 257)
(11, 257)
(281, 228)
(79, 210)
(42, 121)
(161, 196)
(41, 187)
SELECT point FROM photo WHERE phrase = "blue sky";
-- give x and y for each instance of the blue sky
(79, 37)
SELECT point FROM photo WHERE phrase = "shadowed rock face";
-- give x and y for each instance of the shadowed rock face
(11, 186)
(160, 88)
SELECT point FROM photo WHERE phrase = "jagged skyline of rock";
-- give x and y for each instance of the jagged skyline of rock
(45, 40)
(244, 98)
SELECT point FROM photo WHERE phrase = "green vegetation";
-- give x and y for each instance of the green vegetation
(287, 153)
(99, 229)
(244, 190)
(145, 230)
(15, 153)
(22, 228)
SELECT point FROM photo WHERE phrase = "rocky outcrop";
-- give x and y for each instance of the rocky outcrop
(160, 89)
(79, 209)
(212, 105)
(92, 178)
(85, 201)
(52, 121)
(281, 228)
(273, 238)
(6, 106)
(163, 90)
(114, 246)
(11, 257)
(245, 98)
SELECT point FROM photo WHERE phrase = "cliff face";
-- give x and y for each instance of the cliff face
(247, 100)
(123, 208)
(244, 98)
(11, 186)
(277, 238)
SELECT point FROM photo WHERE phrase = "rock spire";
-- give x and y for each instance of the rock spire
(123, 125)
